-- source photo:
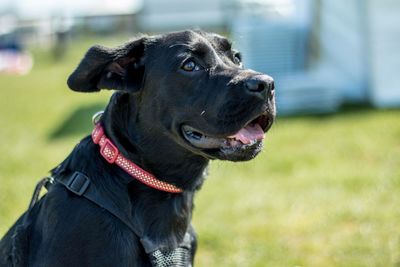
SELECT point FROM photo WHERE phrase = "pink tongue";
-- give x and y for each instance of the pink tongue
(250, 133)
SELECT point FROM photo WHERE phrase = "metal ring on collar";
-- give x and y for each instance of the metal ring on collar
(97, 116)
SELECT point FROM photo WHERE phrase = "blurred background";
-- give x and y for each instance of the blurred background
(326, 189)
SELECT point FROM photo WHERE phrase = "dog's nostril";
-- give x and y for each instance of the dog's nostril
(271, 86)
(255, 85)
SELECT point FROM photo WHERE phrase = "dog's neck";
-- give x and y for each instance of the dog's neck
(153, 151)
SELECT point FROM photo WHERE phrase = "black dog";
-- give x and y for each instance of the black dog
(182, 99)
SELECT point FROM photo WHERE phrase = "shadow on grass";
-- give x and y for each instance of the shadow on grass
(77, 123)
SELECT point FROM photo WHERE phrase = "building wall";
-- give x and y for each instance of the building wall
(161, 15)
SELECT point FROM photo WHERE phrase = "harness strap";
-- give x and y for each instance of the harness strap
(45, 182)
(80, 184)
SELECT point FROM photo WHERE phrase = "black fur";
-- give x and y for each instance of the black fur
(155, 98)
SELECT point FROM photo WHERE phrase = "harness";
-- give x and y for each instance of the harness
(80, 185)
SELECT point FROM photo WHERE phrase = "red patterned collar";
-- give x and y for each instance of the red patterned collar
(110, 152)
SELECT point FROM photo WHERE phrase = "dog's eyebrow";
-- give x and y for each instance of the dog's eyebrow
(225, 44)
(185, 45)
(196, 48)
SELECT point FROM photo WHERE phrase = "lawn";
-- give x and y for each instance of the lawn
(325, 191)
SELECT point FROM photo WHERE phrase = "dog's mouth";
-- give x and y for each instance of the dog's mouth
(248, 137)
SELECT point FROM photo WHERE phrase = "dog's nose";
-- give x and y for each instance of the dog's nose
(259, 84)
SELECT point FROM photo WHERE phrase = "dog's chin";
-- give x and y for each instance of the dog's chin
(239, 153)
(244, 145)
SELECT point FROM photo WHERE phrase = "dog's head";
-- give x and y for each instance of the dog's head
(189, 88)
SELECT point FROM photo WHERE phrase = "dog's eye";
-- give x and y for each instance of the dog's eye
(237, 58)
(190, 66)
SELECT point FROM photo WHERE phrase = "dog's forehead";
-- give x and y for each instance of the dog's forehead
(196, 39)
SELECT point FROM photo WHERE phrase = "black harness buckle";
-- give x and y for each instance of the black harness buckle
(78, 183)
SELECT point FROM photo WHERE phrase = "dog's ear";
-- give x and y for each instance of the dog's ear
(120, 68)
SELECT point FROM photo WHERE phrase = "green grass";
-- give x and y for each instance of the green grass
(325, 191)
